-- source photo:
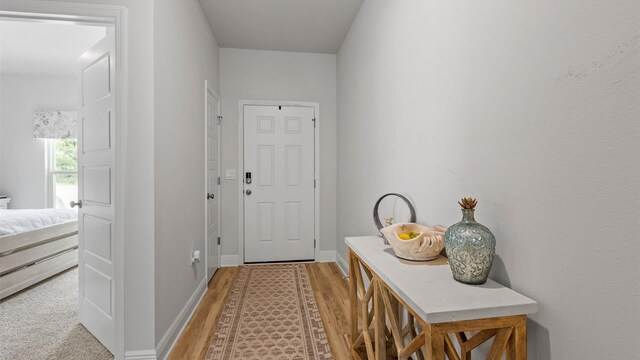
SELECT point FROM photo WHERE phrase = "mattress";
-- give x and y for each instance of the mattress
(18, 221)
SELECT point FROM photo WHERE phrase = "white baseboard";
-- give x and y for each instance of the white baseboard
(140, 355)
(163, 349)
(326, 256)
(342, 264)
(230, 260)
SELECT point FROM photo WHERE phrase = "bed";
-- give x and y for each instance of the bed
(35, 245)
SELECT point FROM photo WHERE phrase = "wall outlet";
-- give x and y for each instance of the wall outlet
(195, 257)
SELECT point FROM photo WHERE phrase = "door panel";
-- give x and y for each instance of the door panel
(97, 79)
(97, 236)
(213, 156)
(292, 221)
(293, 165)
(266, 221)
(96, 132)
(279, 201)
(266, 165)
(96, 190)
(97, 184)
(96, 290)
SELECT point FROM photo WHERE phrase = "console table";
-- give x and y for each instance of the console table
(403, 308)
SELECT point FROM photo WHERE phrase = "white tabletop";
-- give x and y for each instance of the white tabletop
(430, 290)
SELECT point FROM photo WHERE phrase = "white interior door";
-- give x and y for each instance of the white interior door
(96, 187)
(213, 194)
(279, 183)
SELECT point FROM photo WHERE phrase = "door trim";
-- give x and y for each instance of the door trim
(240, 174)
(116, 17)
(208, 89)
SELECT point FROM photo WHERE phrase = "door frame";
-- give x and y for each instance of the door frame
(104, 15)
(316, 170)
(208, 89)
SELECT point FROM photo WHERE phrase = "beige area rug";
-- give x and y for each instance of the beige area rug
(270, 314)
(42, 323)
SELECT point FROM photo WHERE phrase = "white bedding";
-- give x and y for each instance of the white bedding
(17, 221)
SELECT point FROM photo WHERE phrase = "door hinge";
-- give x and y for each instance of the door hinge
(218, 180)
(218, 240)
(314, 243)
(314, 122)
(219, 119)
(314, 183)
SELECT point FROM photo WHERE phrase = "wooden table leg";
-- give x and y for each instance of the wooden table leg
(517, 347)
(353, 297)
(434, 344)
(437, 347)
(379, 321)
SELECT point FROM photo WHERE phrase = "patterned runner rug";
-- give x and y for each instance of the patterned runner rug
(270, 314)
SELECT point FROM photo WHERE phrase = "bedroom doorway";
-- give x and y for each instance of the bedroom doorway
(99, 120)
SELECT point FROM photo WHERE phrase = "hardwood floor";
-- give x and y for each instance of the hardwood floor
(194, 341)
(331, 291)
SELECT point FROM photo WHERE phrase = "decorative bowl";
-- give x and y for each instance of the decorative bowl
(427, 245)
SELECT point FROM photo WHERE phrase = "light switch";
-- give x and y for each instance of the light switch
(229, 174)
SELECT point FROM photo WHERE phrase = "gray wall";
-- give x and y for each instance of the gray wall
(532, 107)
(185, 55)
(275, 75)
(22, 165)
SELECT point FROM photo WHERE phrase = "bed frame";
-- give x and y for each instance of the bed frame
(30, 257)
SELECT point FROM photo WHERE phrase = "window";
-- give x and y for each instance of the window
(62, 172)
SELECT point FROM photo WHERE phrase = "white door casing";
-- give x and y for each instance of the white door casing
(96, 187)
(212, 198)
(279, 201)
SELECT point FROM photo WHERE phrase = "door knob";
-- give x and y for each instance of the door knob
(74, 204)
(211, 196)
(248, 191)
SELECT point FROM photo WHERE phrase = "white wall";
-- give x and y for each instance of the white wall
(185, 55)
(275, 75)
(22, 166)
(533, 108)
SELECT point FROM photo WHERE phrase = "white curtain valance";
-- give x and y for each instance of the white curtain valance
(55, 124)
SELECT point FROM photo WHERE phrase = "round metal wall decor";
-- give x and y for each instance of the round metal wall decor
(376, 216)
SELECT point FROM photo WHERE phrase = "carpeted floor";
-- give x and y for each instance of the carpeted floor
(42, 323)
(271, 313)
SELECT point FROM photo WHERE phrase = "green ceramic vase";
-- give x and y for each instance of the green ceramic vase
(470, 248)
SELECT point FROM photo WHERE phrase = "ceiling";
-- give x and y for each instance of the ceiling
(285, 25)
(44, 48)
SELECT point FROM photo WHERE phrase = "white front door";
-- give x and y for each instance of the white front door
(278, 183)
(213, 195)
(96, 185)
